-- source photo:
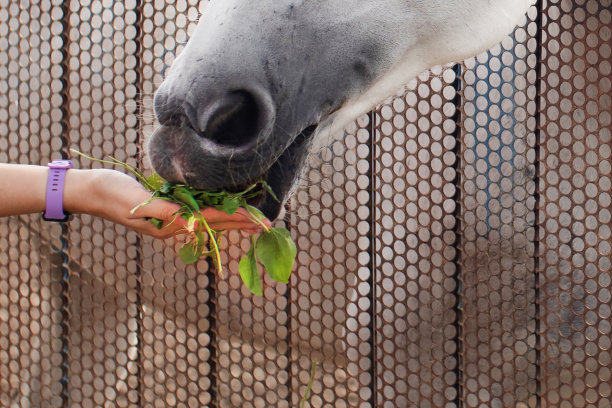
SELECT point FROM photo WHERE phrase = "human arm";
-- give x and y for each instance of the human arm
(22, 189)
(109, 194)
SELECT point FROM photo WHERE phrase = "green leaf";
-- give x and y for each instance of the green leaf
(267, 187)
(156, 181)
(276, 251)
(255, 212)
(249, 273)
(190, 252)
(183, 195)
(157, 222)
(230, 205)
(166, 187)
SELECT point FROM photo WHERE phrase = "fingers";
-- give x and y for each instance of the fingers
(225, 226)
(170, 230)
(241, 219)
(145, 226)
(173, 223)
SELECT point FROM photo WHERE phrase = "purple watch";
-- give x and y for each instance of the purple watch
(54, 209)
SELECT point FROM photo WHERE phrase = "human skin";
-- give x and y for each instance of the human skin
(104, 193)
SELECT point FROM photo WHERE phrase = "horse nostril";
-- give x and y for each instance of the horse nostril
(170, 110)
(232, 120)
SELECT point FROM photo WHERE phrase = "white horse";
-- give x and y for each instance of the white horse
(259, 81)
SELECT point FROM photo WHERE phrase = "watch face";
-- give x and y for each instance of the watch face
(60, 164)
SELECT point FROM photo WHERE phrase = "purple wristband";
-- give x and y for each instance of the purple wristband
(54, 209)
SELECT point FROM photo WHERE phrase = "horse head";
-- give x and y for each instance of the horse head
(258, 82)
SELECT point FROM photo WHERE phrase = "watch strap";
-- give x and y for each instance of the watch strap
(54, 206)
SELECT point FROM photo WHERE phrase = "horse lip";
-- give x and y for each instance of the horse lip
(213, 174)
(179, 154)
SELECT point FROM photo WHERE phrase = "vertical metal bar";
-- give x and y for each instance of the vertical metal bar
(372, 249)
(287, 295)
(139, 10)
(212, 308)
(65, 126)
(65, 36)
(536, 193)
(65, 310)
(457, 232)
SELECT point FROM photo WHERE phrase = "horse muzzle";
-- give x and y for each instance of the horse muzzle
(212, 138)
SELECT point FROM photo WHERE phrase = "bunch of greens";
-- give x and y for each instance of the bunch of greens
(273, 248)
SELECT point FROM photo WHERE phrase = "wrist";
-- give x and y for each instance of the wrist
(77, 191)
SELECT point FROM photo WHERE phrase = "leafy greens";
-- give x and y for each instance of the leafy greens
(273, 248)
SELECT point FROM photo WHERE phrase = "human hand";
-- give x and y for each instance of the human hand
(112, 195)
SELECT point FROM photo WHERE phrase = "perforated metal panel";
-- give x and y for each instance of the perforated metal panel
(32, 264)
(415, 242)
(498, 217)
(453, 247)
(574, 217)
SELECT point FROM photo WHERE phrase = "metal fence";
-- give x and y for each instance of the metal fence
(453, 249)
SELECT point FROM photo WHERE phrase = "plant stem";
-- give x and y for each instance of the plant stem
(253, 244)
(256, 221)
(116, 162)
(253, 216)
(248, 189)
(215, 246)
(313, 371)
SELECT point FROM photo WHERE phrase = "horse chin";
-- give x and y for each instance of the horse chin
(283, 175)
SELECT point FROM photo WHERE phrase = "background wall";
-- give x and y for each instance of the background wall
(453, 248)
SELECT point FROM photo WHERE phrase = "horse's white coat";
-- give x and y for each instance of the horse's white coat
(451, 32)
(304, 63)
